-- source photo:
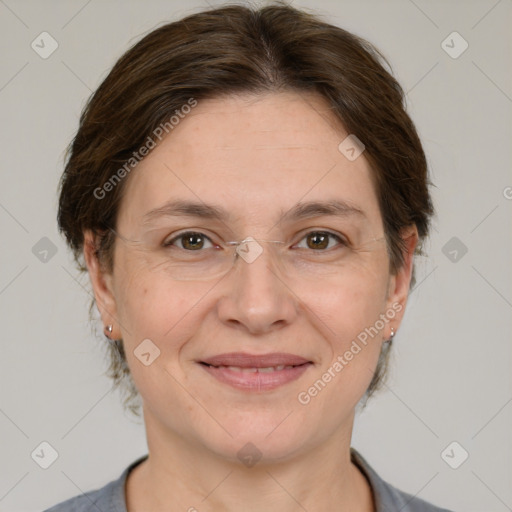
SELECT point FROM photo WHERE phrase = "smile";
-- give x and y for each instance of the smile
(268, 369)
(256, 373)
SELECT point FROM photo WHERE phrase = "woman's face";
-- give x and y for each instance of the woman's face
(318, 304)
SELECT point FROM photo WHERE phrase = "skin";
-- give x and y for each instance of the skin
(257, 157)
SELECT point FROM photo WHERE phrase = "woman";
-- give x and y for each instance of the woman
(247, 193)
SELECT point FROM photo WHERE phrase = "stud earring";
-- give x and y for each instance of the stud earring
(391, 336)
(108, 331)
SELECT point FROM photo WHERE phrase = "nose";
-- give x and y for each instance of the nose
(256, 297)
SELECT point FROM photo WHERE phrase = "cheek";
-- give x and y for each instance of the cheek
(170, 313)
(162, 311)
(146, 303)
(350, 321)
(154, 307)
(353, 305)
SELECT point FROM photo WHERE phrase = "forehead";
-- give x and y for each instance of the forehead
(255, 155)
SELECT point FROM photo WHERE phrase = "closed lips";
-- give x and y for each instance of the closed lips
(252, 373)
(240, 361)
(267, 369)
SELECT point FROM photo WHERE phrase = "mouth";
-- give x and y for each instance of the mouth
(256, 373)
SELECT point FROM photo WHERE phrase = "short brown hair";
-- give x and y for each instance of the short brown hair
(232, 50)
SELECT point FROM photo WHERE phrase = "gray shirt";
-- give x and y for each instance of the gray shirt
(111, 498)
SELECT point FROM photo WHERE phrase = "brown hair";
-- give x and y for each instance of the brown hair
(231, 50)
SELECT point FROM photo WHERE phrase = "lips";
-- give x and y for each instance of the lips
(255, 372)
(243, 360)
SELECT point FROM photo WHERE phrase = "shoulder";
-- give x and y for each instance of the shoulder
(99, 499)
(387, 497)
(110, 498)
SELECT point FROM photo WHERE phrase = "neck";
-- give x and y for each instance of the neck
(179, 474)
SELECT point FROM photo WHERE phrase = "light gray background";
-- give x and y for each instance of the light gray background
(451, 376)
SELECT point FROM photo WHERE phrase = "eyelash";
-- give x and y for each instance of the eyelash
(341, 241)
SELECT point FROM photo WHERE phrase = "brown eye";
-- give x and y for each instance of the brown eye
(190, 241)
(193, 241)
(320, 240)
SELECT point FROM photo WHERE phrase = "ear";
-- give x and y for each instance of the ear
(102, 285)
(399, 283)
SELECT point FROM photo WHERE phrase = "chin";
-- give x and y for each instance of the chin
(264, 438)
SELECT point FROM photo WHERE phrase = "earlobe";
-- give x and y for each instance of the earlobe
(101, 282)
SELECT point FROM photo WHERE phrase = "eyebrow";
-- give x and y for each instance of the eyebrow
(335, 207)
(188, 209)
(300, 211)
